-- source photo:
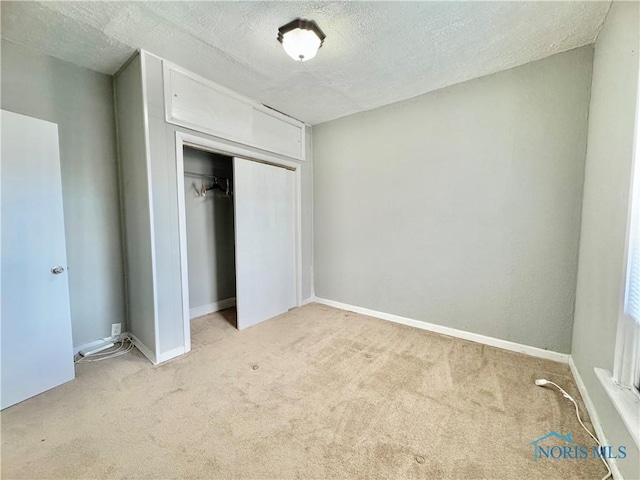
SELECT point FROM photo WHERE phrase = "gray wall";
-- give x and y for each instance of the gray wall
(604, 215)
(80, 101)
(210, 230)
(460, 207)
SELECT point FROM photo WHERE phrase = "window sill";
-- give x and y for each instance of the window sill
(627, 403)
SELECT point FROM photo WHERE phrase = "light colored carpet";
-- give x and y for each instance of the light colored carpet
(315, 393)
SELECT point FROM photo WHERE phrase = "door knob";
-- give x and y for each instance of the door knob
(57, 270)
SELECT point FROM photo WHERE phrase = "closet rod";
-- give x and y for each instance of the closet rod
(202, 175)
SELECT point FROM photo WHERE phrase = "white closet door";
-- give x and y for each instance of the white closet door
(265, 241)
(37, 351)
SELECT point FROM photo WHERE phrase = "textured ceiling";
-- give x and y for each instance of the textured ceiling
(375, 53)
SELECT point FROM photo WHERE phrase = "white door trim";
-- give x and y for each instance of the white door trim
(224, 148)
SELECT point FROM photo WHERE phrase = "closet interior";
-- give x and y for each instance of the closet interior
(208, 187)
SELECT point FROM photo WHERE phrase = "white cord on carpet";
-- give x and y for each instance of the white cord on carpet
(542, 382)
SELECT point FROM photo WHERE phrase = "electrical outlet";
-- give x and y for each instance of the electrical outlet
(116, 329)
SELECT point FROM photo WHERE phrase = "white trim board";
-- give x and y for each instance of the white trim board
(211, 307)
(593, 415)
(152, 223)
(173, 353)
(452, 332)
(625, 400)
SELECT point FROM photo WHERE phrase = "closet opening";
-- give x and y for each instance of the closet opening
(240, 242)
(210, 236)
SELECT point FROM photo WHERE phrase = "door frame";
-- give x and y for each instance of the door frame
(232, 150)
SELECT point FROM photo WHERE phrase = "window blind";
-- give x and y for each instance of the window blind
(632, 297)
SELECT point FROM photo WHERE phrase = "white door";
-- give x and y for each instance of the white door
(37, 350)
(265, 241)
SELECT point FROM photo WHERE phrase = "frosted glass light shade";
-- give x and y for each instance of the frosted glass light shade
(301, 44)
(301, 39)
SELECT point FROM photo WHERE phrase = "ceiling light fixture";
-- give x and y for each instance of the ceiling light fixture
(301, 39)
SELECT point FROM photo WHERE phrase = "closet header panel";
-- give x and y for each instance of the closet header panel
(194, 102)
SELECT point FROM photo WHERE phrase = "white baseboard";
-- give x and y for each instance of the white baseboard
(151, 356)
(211, 307)
(452, 332)
(163, 357)
(309, 300)
(176, 352)
(593, 415)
